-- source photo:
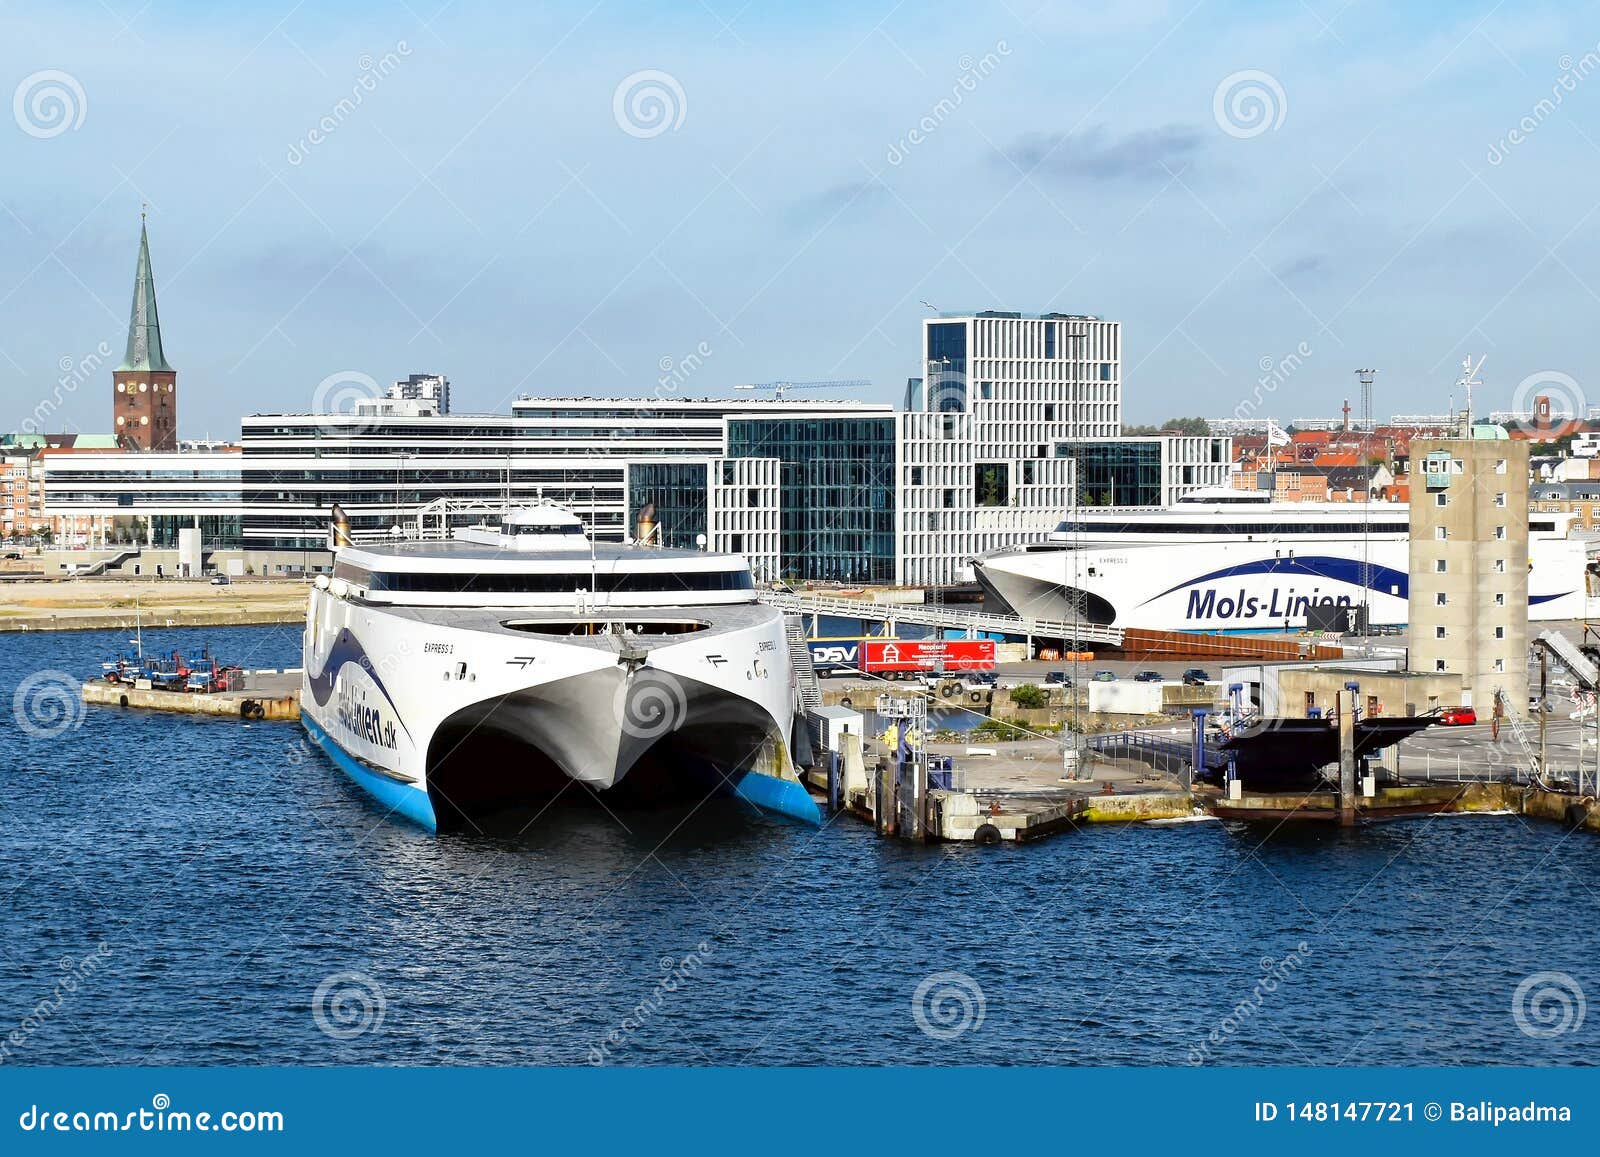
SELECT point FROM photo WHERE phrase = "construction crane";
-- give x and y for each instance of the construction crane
(781, 388)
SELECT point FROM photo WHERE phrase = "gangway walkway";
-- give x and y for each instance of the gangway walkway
(1572, 657)
(946, 618)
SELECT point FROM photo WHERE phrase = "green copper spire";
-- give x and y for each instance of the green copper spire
(144, 327)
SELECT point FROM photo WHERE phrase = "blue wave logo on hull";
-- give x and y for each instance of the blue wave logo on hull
(1219, 603)
(1285, 603)
(359, 719)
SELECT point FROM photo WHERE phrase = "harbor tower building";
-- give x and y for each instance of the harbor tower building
(144, 399)
(1469, 564)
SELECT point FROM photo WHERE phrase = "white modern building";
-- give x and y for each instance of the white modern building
(430, 389)
(1016, 419)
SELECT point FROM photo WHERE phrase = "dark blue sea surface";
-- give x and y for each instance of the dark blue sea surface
(194, 891)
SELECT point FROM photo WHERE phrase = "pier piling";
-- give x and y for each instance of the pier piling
(1347, 755)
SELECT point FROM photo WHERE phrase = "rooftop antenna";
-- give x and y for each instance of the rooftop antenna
(1469, 378)
(1365, 376)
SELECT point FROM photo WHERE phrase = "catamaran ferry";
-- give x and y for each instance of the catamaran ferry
(1230, 560)
(504, 666)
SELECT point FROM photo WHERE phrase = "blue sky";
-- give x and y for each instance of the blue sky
(485, 212)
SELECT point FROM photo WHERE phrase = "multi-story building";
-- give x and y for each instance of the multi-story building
(431, 389)
(1015, 420)
(1469, 563)
(14, 497)
(100, 497)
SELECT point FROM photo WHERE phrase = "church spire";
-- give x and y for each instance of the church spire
(144, 327)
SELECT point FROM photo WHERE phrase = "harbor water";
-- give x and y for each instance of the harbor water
(190, 890)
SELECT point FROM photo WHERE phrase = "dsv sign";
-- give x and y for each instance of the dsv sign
(836, 654)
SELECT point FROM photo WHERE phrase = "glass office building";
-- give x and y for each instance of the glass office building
(836, 493)
(1116, 473)
(678, 490)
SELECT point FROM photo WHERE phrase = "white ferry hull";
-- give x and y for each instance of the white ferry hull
(1232, 585)
(440, 715)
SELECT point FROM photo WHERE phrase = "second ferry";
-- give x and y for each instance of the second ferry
(503, 666)
(1234, 560)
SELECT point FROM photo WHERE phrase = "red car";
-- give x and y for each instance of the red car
(1457, 717)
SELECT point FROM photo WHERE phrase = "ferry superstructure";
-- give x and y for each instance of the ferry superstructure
(512, 663)
(1224, 560)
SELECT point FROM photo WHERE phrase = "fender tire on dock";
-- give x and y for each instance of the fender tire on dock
(844, 701)
(976, 697)
(250, 709)
(1577, 815)
(949, 689)
(987, 834)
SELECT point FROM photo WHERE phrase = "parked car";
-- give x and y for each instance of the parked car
(13, 556)
(1057, 679)
(220, 580)
(1148, 677)
(1458, 717)
(1196, 677)
(1105, 677)
(1538, 706)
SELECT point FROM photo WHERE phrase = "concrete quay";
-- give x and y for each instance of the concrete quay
(1015, 792)
(267, 695)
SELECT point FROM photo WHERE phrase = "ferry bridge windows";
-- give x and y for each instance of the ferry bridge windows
(1438, 666)
(1440, 566)
(1500, 599)
(498, 583)
(1438, 632)
(1441, 500)
(1441, 599)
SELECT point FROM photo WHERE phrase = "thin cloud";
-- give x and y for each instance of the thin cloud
(1095, 155)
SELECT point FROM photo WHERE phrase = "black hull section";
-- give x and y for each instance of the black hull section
(1290, 754)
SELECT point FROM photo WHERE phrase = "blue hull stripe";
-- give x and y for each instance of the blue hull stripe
(782, 796)
(411, 802)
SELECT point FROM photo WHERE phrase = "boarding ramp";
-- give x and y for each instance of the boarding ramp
(943, 618)
(1572, 657)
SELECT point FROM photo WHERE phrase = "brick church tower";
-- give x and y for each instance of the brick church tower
(145, 398)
